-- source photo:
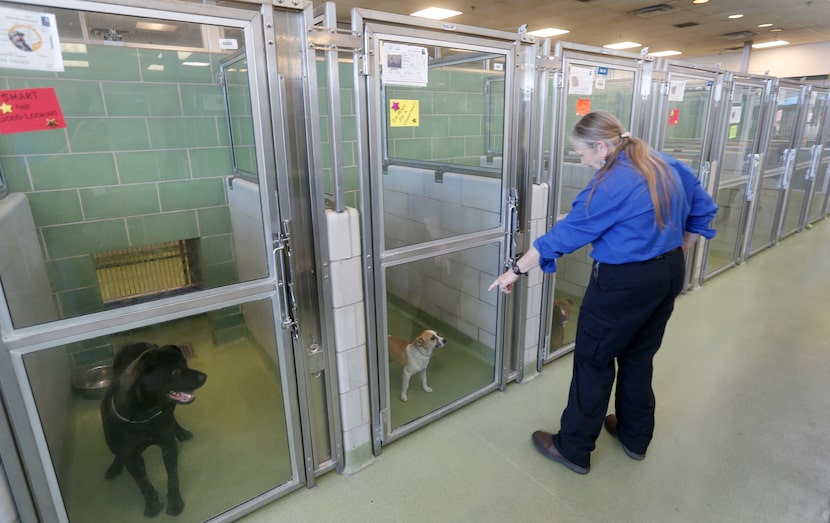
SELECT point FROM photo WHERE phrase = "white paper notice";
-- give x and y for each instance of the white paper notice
(404, 65)
(581, 81)
(677, 89)
(32, 41)
(735, 114)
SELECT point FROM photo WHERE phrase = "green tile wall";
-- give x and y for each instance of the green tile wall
(452, 119)
(143, 159)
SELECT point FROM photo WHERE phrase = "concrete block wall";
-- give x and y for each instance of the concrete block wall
(350, 336)
(419, 208)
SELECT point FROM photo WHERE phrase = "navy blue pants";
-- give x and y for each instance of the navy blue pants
(622, 319)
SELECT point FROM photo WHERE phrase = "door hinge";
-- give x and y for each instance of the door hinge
(316, 362)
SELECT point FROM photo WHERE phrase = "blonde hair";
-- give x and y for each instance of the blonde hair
(601, 126)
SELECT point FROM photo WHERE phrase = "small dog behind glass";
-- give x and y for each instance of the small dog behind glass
(414, 356)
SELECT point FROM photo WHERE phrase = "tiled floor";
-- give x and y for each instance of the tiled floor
(743, 431)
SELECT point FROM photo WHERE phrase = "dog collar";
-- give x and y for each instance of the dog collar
(122, 418)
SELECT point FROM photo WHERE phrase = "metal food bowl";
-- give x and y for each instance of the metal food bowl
(92, 383)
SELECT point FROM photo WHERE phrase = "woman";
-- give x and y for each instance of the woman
(642, 212)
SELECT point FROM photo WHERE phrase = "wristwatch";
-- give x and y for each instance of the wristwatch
(516, 270)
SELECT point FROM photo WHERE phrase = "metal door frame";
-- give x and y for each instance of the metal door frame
(786, 174)
(708, 163)
(25, 451)
(824, 142)
(815, 159)
(750, 178)
(554, 66)
(518, 52)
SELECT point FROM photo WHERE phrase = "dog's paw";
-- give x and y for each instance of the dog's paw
(427, 388)
(403, 397)
(152, 506)
(183, 434)
(175, 505)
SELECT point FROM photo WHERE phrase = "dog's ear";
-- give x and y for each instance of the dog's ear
(148, 360)
(420, 341)
(569, 300)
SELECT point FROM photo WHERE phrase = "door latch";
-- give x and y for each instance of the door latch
(282, 254)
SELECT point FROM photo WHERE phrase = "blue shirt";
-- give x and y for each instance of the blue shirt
(619, 218)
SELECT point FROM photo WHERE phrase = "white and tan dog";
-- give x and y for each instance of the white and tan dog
(414, 356)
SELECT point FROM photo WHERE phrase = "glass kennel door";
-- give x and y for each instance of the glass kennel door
(805, 164)
(437, 103)
(590, 79)
(784, 129)
(688, 101)
(142, 218)
(817, 207)
(737, 170)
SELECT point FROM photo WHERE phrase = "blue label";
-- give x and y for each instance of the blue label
(602, 71)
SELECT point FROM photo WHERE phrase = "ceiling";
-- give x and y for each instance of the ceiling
(666, 26)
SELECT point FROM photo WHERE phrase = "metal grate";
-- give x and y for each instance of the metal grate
(148, 271)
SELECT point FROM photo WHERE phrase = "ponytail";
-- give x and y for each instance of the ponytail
(601, 126)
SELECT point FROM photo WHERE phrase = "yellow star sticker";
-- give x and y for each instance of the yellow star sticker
(6, 108)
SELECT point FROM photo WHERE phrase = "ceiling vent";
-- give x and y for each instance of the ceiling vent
(652, 10)
(737, 35)
(686, 24)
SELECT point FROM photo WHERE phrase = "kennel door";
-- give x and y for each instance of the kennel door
(781, 145)
(439, 110)
(589, 79)
(804, 168)
(688, 99)
(739, 163)
(816, 208)
(149, 218)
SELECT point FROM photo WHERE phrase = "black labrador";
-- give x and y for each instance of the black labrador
(137, 411)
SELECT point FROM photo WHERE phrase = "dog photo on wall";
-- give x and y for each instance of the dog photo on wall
(137, 411)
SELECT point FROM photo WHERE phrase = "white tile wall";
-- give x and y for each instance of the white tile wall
(537, 212)
(346, 273)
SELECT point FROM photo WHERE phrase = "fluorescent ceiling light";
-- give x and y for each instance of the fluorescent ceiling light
(153, 26)
(774, 43)
(764, 25)
(700, 1)
(435, 13)
(196, 64)
(735, 17)
(665, 53)
(548, 31)
(623, 45)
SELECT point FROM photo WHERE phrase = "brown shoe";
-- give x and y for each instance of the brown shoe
(611, 427)
(543, 441)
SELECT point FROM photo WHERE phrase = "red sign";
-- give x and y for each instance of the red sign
(24, 110)
(674, 116)
(583, 106)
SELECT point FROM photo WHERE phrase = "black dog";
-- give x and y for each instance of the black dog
(137, 411)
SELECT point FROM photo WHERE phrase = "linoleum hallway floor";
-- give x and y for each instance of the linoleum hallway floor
(743, 425)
